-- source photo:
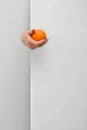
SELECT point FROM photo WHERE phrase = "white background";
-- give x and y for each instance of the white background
(14, 65)
(59, 69)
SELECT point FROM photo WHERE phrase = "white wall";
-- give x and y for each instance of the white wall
(59, 69)
(14, 65)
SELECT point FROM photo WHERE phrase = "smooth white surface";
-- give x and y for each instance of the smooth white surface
(14, 65)
(59, 69)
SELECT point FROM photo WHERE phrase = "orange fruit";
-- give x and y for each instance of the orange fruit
(39, 35)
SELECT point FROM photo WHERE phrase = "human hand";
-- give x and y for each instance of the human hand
(26, 38)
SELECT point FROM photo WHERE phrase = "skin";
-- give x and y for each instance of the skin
(26, 38)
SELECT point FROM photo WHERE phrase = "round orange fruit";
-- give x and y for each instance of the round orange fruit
(39, 35)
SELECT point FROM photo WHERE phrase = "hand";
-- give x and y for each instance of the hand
(26, 38)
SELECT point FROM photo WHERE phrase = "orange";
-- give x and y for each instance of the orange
(39, 35)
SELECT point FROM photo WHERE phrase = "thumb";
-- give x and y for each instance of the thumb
(31, 31)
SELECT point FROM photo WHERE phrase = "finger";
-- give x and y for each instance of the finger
(41, 43)
(31, 31)
(34, 43)
(31, 40)
(30, 46)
